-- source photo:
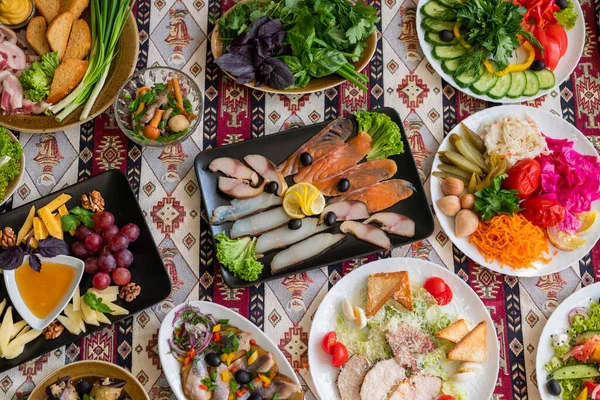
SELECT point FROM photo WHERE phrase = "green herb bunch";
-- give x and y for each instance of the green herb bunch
(493, 200)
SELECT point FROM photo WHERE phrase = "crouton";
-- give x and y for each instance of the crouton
(80, 41)
(36, 35)
(76, 7)
(472, 347)
(66, 77)
(381, 287)
(48, 8)
(455, 332)
(58, 33)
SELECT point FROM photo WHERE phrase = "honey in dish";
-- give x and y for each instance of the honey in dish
(42, 291)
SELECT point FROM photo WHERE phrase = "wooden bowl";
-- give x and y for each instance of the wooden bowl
(85, 369)
(315, 84)
(121, 69)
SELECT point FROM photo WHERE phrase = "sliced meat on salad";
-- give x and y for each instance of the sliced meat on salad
(351, 377)
(407, 341)
(381, 379)
(418, 387)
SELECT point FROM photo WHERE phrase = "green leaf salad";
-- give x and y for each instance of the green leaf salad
(10, 160)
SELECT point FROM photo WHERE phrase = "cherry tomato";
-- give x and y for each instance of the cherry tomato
(558, 33)
(542, 211)
(551, 52)
(524, 176)
(328, 341)
(340, 355)
(439, 290)
(446, 397)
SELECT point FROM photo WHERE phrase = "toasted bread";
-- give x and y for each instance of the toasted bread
(472, 347)
(380, 288)
(455, 332)
(58, 33)
(48, 8)
(77, 7)
(66, 77)
(404, 294)
(80, 41)
(36, 35)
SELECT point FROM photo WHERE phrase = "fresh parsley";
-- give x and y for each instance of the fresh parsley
(494, 200)
(96, 303)
(76, 217)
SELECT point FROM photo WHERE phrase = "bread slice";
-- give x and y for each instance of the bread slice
(80, 41)
(472, 347)
(58, 33)
(48, 8)
(77, 7)
(404, 294)
(36, 35)
(66, 77)
(380, 288)
(455, 332)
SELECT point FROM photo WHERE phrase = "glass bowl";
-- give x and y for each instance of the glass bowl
(150, 77)
(24, 22)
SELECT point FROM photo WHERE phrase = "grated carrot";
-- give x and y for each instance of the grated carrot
(511, 240)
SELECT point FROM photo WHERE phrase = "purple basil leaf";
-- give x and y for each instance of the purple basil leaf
(263, 49)
(35, 263)
(236, 64)
(257, 24)
(270, 28)
(52, 247)
(243, 79)
(280, 77)
(266, 67)
(12, 258)
(285, 51)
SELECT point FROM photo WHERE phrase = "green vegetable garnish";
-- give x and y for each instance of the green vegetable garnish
(96, 303)
(76, 217)
(567, 17)
(10, 170)
(36, 80)
(239, 256)
(493, 200)
(387, 140)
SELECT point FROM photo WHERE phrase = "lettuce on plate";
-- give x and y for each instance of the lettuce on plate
(10, 161)
(239, 256)
(387, 139)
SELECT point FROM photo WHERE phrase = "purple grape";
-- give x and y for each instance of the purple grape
(78, 249)
(118, 242)
(121, 276)
(93, 242)
(101, 280)
(91, 265)
(124, 258)
(83, 231)
(132, 231)
(109, 232)
(103, 220)
(107, 262)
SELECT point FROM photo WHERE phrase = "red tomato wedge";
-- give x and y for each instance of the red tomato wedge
(541, 37)
(340, 355)
(584, 351)
(329, 340)
(551, 53)
(438, 288)
(558, 33)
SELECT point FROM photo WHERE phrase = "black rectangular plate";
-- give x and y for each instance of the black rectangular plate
(147, 269)
(277, 148)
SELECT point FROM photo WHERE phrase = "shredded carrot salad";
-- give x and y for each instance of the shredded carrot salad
(511, 240)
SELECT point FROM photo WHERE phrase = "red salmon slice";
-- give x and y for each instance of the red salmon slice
(360, 176)
(327, 140)
(342, 158)
(381, 195)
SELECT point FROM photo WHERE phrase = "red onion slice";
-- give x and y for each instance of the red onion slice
(577, 311)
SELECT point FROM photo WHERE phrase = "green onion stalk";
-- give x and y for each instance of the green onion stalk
(108, 20)
(347, 70)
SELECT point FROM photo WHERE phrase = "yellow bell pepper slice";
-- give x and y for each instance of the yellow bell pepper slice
(457, 35)
(583, 395)
(514, 67)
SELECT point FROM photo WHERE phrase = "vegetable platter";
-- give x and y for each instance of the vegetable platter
(504, 52)
(70, 61)
(539, 194)
(336, 177)
(226, 319)
(56, 225)
(309, 45)
(436, 327)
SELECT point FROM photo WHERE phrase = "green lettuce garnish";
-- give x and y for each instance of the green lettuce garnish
(592, 323)
(387, 140)
(239, 256)
(452, 389)
(10, 170)
(567, 17)
(36, 80)
(554, 364)
(570, 388)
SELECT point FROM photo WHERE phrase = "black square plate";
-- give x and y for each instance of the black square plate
(147, 269)
(277, 148)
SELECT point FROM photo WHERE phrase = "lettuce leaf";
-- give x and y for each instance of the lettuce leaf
(592, 323)
(387, 139)
(10, 170)
(567, 17)
(239, 256)
(570, 388)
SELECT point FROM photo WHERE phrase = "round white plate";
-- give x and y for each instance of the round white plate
(464, 303)
(172, 368)
(563, 70)
(552, 126)
(556, 324)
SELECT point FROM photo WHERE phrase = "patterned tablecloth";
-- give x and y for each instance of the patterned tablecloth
(175, 33)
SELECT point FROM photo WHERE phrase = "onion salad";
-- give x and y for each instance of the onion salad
(192, 333)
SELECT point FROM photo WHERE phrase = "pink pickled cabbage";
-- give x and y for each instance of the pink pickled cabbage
(571, 178)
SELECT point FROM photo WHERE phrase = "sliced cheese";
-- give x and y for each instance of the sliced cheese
(104, 296)
(102, 318)
(56, 203)
(5, 330)
(39, 229)
(109, 290)
(75, 316)
(69, 324)
(2, 305)
(117, 310)
(27, 226)
(24, 331)
(89, 315)
(54, 228)
(76, 300)
(17, 328)
(21, 341)
(62, 211)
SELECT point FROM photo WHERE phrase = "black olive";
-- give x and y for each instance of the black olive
(553, 387)
(306, 159)
(446, 36)
(124, 397)
(213, 359)
(84, 387)
(294, 224)
(242, 377)
(330, 218)
(343, 185)
(537, 65)
(272, 187)
(562, 4)
(255, 396)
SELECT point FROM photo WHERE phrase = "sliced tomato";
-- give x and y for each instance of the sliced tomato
(540, 35)
(590, 386)
(329, 340)
(340, 355)
(559, 34)
(446, 397)
(584, 351)
(439, 290)
(551, 53)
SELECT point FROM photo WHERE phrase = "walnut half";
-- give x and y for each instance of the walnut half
(93, 201)
(130, 291)
(7, 237)
(53, 330)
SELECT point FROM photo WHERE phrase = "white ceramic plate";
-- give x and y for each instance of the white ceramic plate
(559, 323)
(563, 70)
(552, 126)
(172, 368)
(465, 303)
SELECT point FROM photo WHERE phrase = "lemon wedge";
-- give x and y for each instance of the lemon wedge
(292, 205)
(303, 199)
(587, 219)
(564, 240)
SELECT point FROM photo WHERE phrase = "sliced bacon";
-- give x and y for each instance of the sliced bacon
(406, 341)
(12, 94)
(14, 55)
(7, 35)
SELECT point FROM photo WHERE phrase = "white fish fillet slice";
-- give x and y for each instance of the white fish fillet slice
(241, 208)
(368, 233)
(267, 170)
(396, 224)
(305, 250)
(259, 223)
(233, 168)
(346, 210)
(238, 188)
(284, 236)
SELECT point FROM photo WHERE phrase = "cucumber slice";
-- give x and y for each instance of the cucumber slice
(434, 25)
(448, 52)
(546, 78)
(533, 84)
(580, 371)
(501, 87)
(449, 3)
(433, 9)
(466, 79)
(449, 66)
(485, 83)
(517, 86)
(434, 38)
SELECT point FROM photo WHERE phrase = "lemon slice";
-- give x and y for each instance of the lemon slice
(587, 221)
(303, 199)
(292, 205)
(564, 240)
(318, 205)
